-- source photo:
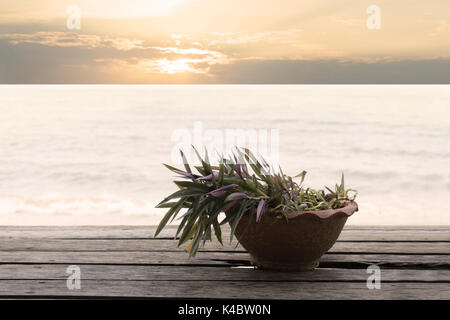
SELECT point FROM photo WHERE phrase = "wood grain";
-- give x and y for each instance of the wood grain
(128, 262)
(223, 290)
(187, 273)
(350, 233)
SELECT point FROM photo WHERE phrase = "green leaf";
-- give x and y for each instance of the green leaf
(220, 176)
(331, 191)
(172, 204)
(206, 166)
(197, 238)
(188, 230)
(201, 170)
(206, 232)
(182, 223)
(180, 194)
(185, 162)
(168, 205)
(177, 171)
(217, 231)
(196, 214)
(167, 216)
(246, 185)
(301, 175)
(193, 185)
(190, 235)
(341, 187)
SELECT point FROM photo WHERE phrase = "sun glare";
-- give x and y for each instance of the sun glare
(173, 66)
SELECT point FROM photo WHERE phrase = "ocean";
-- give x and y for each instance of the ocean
(83, 155)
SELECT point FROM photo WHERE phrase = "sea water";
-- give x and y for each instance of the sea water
(93, 154)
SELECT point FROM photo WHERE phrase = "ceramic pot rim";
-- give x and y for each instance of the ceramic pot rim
(348, 210)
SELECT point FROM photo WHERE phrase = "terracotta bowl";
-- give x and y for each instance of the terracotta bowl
(296, 244)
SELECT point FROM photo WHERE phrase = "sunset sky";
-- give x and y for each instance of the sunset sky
(213, 41)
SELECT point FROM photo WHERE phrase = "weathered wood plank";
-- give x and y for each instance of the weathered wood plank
(351, 233)
(224, 289)
(174, 226)
(171, 245)
(117, 257)
(217, 258)
(198, 273)
(125, 261)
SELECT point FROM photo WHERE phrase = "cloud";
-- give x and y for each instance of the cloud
(433, 71)
(285, 36)
(201, 61)
(81, 65)
(73, 39)
(192, 51)
(143, 59)
(153, 59)
(201, 64)
(283, 56)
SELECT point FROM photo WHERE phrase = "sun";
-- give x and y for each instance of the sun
(172, 66)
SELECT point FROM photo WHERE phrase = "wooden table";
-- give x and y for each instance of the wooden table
(127, 262)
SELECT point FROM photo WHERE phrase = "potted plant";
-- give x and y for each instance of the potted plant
(281, 223)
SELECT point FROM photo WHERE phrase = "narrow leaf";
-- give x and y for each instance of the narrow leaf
(185, 162)
(217, 231)
(260, 210)
(220, 192)
(167, 216)
(236, 196)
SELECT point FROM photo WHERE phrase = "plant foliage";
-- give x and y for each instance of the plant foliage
(239, 185)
